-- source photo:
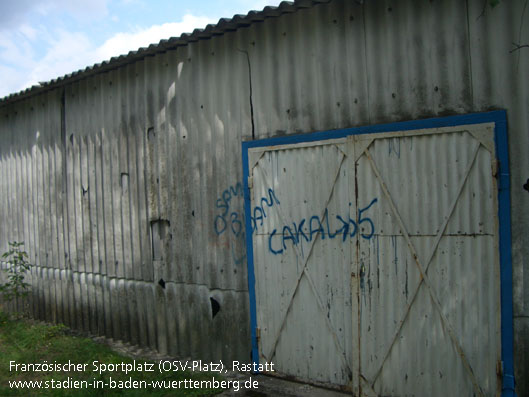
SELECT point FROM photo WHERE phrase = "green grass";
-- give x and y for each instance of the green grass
(27, 342)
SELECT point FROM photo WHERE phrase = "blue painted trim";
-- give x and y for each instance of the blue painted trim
(499, 117)
(504, 213)
(450, 121)
(249, 255)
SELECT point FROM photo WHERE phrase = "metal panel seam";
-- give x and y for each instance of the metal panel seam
(249, 254)
(504, 214)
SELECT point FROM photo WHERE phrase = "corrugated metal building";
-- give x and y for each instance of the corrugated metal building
(126, 181)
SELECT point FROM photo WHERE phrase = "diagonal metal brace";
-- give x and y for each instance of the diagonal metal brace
(424, 277)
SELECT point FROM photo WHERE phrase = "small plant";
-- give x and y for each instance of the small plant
(54, 331)
(18, 265)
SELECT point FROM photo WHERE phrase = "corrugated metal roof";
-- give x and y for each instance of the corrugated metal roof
(223, 25)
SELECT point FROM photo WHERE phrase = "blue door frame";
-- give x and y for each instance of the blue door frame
(499, 118)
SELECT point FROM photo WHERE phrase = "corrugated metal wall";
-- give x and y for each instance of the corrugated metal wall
(148, 156)
(118, 207)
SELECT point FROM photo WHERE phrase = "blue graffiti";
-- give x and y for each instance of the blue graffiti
(230, 220)
(259, 212)
(227, 218)
(306, 231)
(223, 202)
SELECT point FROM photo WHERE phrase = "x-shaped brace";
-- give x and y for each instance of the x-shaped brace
(423, 269)
(305, 271)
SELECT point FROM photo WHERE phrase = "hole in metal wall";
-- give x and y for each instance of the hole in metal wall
(159, 235)
(124, 182)
(215, 307)
(150, 133)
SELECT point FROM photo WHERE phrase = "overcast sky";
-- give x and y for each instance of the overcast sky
(43, 39)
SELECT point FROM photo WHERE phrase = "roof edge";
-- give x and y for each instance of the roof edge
(223, 26)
